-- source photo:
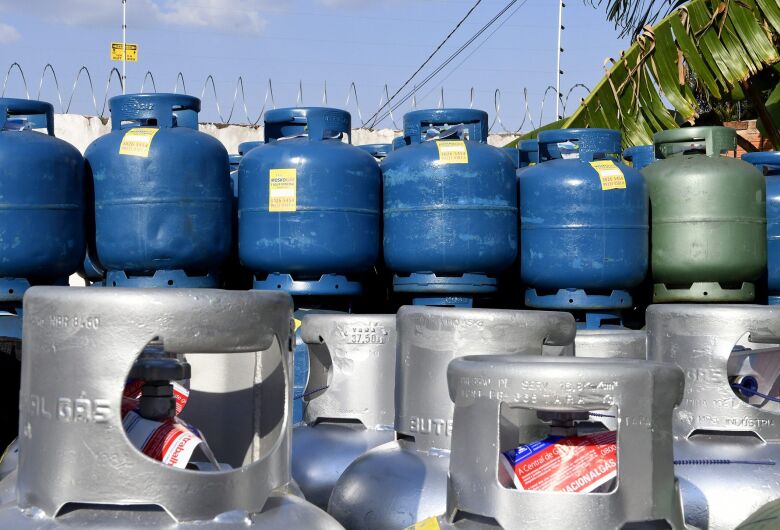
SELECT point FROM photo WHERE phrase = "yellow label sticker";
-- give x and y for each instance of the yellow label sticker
(432, 523)
(130, 49)
(452, 152)
(297, 323)
(612, 177)
(138, 141)
(282, 190)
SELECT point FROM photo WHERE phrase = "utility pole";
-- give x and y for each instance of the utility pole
(559, 72)
(124, 45)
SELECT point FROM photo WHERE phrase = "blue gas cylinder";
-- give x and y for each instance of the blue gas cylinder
(769, 164)
(450, 204)
(187, 118)
(584, 223)
(245, 147)
(529, 153)
(235, 161)
(162, 196)
(309, 205)
(92, 273)
(514, 155)
(42, 207)
(235, 276)
(378, 151)
(640, 156)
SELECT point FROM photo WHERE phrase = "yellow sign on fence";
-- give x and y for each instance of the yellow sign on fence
(131, 49)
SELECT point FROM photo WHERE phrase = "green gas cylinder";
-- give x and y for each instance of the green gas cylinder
(708, 218)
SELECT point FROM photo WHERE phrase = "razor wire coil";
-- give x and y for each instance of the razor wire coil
(239, 109)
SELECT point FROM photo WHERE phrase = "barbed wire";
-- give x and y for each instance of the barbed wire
(239, 100)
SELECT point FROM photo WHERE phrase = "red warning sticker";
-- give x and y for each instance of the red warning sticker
(576, 464)
(171, 441)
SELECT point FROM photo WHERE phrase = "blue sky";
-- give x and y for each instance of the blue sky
(368, 42)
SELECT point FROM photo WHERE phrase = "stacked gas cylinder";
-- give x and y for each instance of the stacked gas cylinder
(431, 334)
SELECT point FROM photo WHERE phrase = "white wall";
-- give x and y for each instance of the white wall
(82, 130)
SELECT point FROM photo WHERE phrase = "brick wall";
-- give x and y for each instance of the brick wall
(749, 132)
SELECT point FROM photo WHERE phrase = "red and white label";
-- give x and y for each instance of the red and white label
(171, 442)
(576, 464)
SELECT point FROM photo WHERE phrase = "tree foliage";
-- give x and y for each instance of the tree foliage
(725, 46)
(631, 16)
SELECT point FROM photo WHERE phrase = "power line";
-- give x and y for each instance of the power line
(448, 60)
(430, 57)
(479, 46)
(452, 57)
(497, 92)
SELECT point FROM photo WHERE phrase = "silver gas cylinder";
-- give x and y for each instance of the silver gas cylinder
(614, 343)
(405, 481)
(77, 467)
(727, 445)
(222, 403)
(611, 343)
(495, 410)
(766, 518)
(349, 404)
(8, 467)
(617, 343)
(9, 459)
(10, 369)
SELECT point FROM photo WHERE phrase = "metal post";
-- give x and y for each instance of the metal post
(124, 45)
(558, 72)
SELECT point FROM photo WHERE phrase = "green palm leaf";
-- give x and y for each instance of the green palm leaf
(723, 43)
(631, 16)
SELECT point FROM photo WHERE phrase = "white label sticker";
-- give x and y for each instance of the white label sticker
(569, 150)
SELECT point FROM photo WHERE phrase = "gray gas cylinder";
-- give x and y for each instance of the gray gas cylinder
(77, 467)
(494, 409)
(222, 403)
(349, 403)
(10, 459)
(611, 343)
(405, 481)
(766, 518)
(617, 343)
(727, 446)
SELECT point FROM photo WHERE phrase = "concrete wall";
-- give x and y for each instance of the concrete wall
(82, 130)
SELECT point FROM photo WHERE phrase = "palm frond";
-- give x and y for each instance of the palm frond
(722, 43)
(631, 16)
